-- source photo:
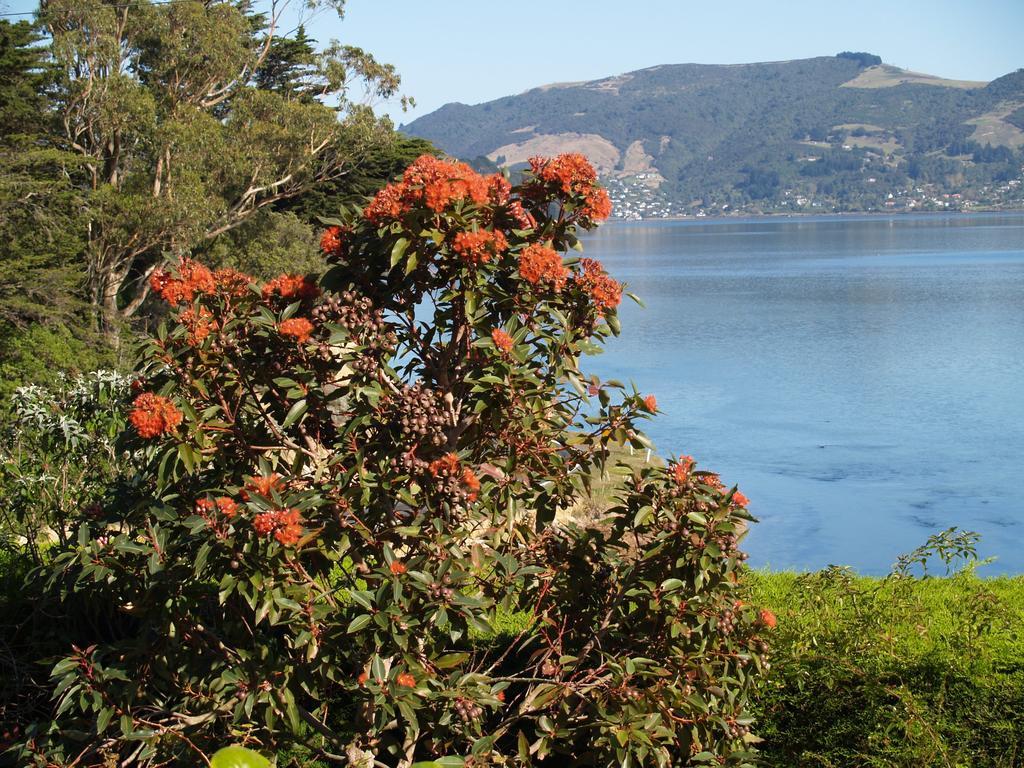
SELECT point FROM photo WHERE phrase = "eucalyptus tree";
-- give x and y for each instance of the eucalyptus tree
(188, 117)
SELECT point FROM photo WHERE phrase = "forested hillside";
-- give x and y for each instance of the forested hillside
(842, 132)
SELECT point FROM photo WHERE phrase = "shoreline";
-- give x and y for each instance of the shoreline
(718, 217)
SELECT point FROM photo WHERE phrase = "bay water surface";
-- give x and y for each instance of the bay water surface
(860, 378)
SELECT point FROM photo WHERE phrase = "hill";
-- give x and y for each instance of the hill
(832, 133)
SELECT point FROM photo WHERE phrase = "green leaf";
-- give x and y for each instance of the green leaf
(398, 251)
(450, 761)
(450, 660)
(294, 414)
(358, 623)
(188, 457)
(238, 757)
(103, 719)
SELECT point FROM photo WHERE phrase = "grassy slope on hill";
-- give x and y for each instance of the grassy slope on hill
(707, 127)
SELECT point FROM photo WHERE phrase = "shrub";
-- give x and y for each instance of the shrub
(899, 671)
(58, 455)
(341, 540)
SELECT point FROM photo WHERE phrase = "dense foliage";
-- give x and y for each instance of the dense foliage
(128, 133)
(904, 671)
(345, 485)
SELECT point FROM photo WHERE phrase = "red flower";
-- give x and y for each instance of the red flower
(597, 206)
(712, 479)
(406, 680)
(471, 484)
(363, 677)
(572, 172)
(450, 466)
(431, 182)
(289, 529)
(193, 279)
(502, 340)
(498, 189)
(478, 247)
(445, 466)
(651, 403)
(397, 567)
(538, 262)
(263, 485)
(231, 281)
(198, 323)
(227, 507)
(438, 183)
(291, 287)
(298, 328)
(154, 415)
(265, 522)
(285, 524)
(681, 469)
(204, 507)
(500, 696)
(740, 500)
(386, 205)
(604, 291)
(768, 618)
(331, 242)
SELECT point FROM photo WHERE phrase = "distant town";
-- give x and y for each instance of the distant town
(634, 199)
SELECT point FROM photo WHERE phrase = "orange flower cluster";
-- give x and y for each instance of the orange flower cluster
(768, 619)
(193, 278)
(651, 403)
(285, 524)
(332, 241)
(298, 328)
(471, 483)
(538, 262)
(231, 281)
(605, 292)
(397, 567)
(572, 171)
(740, 500)
(597, 206)
(450, 466)
(432, 182)
(712, 479)
(224, 505)
(681, 469)
(199, 324)
(574, 175)
(154, 415)
(264, 485)
(406, 680)
(291, 287)
(387, 205)
(447, 465)
(478, 247)
(502, 340)
(498, 189)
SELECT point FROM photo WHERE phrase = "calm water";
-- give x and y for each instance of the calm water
(862, 379)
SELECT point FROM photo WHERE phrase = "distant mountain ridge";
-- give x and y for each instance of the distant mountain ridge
(762, 134)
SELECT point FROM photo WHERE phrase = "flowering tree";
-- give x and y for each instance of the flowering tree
(344, 535)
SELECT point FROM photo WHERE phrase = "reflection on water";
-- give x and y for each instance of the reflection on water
(860, 377)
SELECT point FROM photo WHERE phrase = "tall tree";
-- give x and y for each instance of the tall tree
(42, 227)
(189, 118)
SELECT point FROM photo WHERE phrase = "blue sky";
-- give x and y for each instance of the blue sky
(473, 51)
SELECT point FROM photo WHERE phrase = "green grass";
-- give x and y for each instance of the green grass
(908, 672)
